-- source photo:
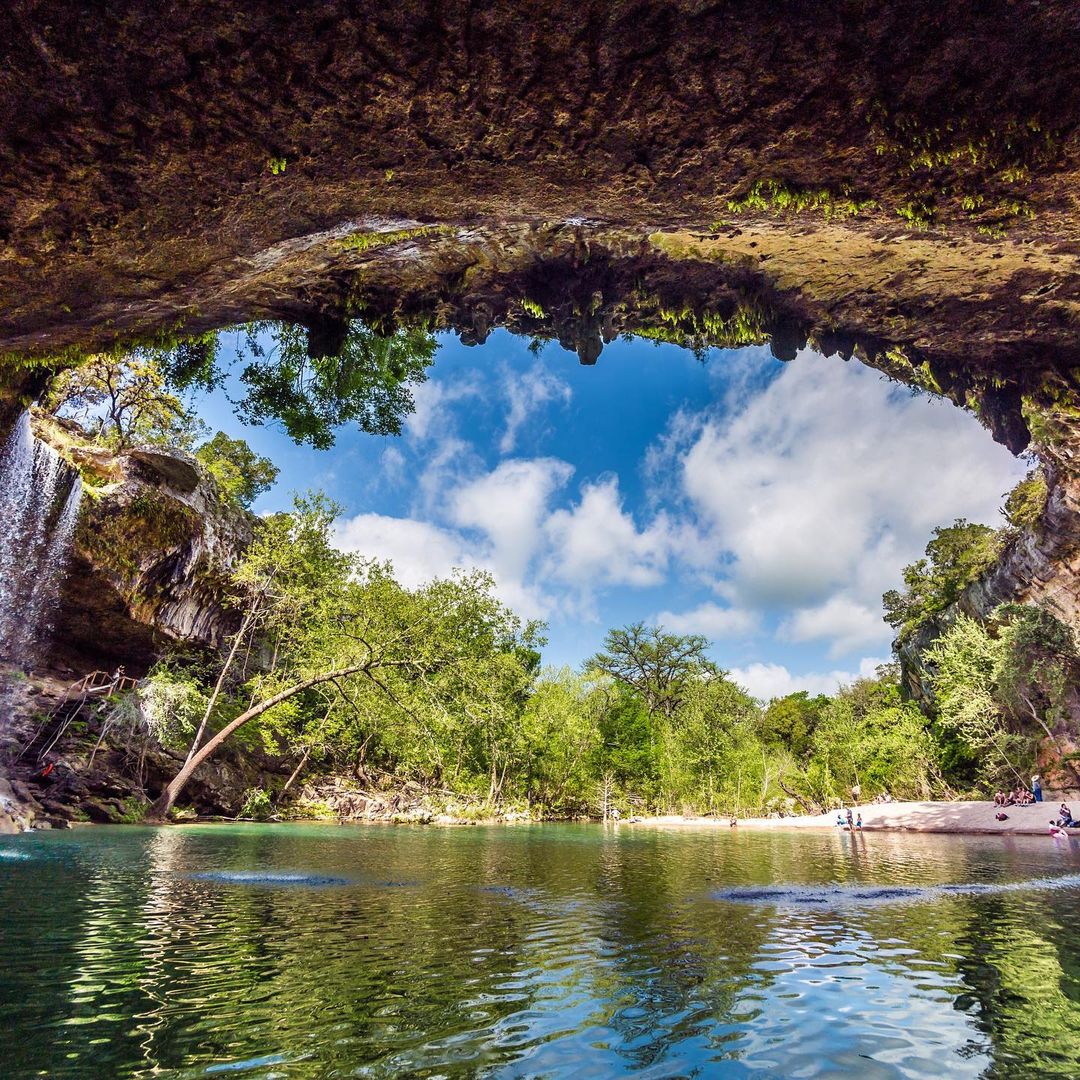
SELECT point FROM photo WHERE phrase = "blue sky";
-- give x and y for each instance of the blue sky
(765, 505)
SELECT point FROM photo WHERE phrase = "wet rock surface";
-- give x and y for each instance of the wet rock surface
(153, 548)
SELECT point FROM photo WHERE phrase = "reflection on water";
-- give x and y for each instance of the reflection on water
(295, 951)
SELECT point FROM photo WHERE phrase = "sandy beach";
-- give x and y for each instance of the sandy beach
(935, 817)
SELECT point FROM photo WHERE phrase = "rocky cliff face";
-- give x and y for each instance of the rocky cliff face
(152, 551)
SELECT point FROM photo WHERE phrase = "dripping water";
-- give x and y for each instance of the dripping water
(39, 507)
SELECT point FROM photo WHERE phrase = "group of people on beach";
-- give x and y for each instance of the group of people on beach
(852, 823)
(1020, 795)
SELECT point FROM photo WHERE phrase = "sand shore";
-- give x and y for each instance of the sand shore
(935, 817)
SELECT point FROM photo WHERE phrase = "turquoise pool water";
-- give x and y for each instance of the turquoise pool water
(324, 951)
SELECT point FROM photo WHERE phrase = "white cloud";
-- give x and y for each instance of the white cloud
(818, 489)
(527, 393)
(419, 550)
(431, 413)
(509, 505)
(596, 542)
(846, 623)
(791, 505)
(710, 619)
(392, 465)
(448, 464)
(766, 681)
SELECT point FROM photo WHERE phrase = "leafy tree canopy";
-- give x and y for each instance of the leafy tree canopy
(123, 401)
(955, 556)
(656, 664)
(240, 473)
(367, 382)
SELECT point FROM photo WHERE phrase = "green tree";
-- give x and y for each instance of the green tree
(966, 661)
(560, 726)
(711, 757)
(1038, 665)
(955, 556)
(241, 474)
(366, 380)
(790, 721)
(627, 752)
(657, 665)
(868, 737)
(1024, 505)
(123, 401)
(342, 636)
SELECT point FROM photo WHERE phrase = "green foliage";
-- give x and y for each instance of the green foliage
(1038, 662)
(367, 241)
(699, 330)
(366, 383)
(191, 364)
(956, 555)
(240, 474)
(657, 665)
(966, 661)
(1024, 505)
(792, 720)
(779, 197)
(710, 756)
(432, 680)
(1000, 686)
(171, 703)
(276, 165)
(123, 401)
(134, 809)
(918, 213)
(257, 804)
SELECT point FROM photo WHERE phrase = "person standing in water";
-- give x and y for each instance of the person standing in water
(850, 819)
(858, 821)
(1036, 788)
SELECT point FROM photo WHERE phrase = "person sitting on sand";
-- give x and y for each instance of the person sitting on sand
(1065, 818)
(839, 820)
(999, 798)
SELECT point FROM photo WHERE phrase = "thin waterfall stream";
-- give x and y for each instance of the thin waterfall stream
(39, 507)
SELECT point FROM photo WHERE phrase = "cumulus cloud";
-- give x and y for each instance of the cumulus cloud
(433, 403)
(527, 393)
(846, 623)
(419, 550)
(597, 542)
(790, 505)
(710, 619)
(822, 486)
(766, 681)
(503, 521)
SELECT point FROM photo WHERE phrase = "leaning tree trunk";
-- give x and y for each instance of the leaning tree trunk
(160, 808)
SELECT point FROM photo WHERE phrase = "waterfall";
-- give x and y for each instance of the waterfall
(39, 507)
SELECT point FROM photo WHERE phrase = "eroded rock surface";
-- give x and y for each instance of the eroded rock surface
(153, 549)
